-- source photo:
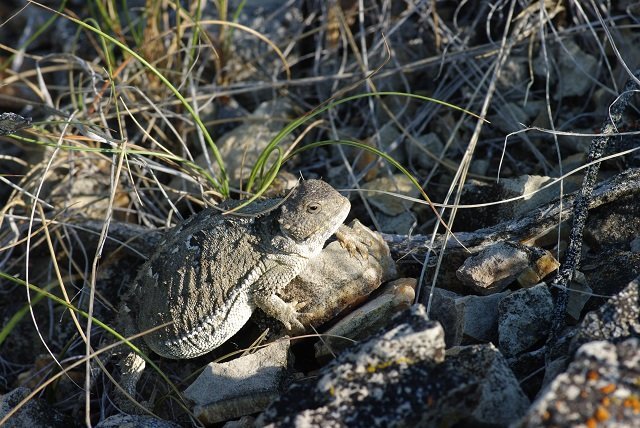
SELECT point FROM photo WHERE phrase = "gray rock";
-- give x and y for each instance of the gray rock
(389, 204)
(401, 378)
(600, 388)
(368, 319)
(241, 147)
(481, 316)
(241, 386)
(465, 318)
(527, 188)
(498, 399)
(428, 146)
(135, 421)
(510, 117)
(579, 294)
(339, 278)
(444, 310)
(524, 318)
(494, 268)
(36, 413)
(616, 320)
(575, 65)
(400, 224)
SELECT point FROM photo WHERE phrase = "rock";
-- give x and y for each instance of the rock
(336, 280)
(576, 70)
(617, 225)
(241, 147)
(252, 60)
(243, 422)
(443, 309)
(425, 150)
(579, 294)
(524, 318)
(368, 319)
(481, 316)
(465, 318)
(391, 204)
(241, 386)
(494, 268)
(352, 387)
(600, 388)
(36, 413)
(479, 166)
(510, 117)
(528, 189)
(529, 369)
(540, 265)
(615, 321)
(388, 138)
(608, 271)
(400, 224)
(497, 397)
(135, 421)
(515, 69)
(401, 378)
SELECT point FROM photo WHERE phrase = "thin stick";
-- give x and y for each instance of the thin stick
(581, 205)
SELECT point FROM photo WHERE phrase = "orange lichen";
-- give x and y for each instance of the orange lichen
(601, 414)
(593, 375)
(606, 401)
(633, 402)
(591, 423)
(608, 389)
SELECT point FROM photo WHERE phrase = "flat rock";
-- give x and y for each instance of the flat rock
(616, 320)
(401, 378)
(241, 386)
(524, 318)
(600, 388)
(336, 279)
(369, 318)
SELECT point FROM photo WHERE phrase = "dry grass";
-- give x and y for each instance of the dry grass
(113, 141)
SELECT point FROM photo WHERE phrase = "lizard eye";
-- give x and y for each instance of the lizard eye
(313, 208)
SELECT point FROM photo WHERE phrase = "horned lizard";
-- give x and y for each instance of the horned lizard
(210, 272)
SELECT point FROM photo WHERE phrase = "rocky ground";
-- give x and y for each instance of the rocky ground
(421, 325)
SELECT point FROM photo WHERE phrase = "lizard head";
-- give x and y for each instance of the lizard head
(313, 212)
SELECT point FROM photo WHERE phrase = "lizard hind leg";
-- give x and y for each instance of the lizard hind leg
(131, 369)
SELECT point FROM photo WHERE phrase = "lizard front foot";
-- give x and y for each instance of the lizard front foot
(352, 242)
